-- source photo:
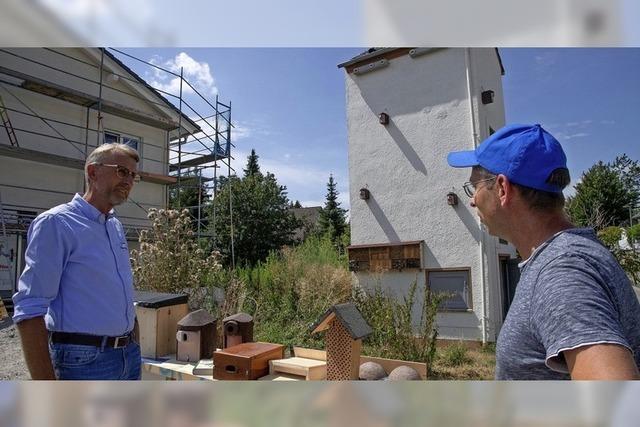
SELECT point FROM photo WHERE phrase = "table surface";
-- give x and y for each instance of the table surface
(173, 369)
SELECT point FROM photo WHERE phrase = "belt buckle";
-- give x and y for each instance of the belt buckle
(116, 344)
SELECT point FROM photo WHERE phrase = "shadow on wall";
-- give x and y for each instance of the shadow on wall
(406, 148)
(467, 217)
(430, 260)
(382, 220)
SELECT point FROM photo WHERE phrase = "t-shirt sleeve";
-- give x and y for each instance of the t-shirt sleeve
(572, 307)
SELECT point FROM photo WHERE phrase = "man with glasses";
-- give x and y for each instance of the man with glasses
(74, 306)
(574, 313)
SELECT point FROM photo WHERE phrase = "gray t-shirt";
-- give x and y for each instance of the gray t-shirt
(572, 292)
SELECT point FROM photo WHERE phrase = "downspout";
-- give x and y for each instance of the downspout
(474, 132)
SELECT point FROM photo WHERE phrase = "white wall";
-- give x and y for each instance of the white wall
(404, 167)
(39, 186)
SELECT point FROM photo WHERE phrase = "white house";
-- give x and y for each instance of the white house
(57, 106)
(410, 218)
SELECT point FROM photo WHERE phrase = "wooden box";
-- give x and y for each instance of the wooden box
(246, 361)
(158, 316)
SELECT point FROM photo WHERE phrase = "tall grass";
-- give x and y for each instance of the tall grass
(293, 287)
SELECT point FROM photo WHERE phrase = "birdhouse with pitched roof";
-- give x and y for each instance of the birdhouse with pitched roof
(345, 328)
(196, 336)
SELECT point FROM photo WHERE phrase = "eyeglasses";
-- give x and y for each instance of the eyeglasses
(122, 172)
(470, 187)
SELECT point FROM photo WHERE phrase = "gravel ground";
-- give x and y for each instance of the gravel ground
(12, 366)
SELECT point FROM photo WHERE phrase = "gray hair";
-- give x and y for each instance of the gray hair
(105, 150)
(536, 199)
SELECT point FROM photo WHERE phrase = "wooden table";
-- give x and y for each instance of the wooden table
(168, 368)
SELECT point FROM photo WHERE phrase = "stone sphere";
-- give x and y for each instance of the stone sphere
(404, 373)
(371, 371)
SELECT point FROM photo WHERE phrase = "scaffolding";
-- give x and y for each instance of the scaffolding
(197, 144)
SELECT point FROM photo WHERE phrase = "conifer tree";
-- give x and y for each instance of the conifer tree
(252, 165)
(332, 217)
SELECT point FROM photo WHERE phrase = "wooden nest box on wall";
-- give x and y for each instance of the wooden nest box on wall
(345, 328)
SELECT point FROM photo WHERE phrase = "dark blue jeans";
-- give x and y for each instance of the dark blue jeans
(85, 362)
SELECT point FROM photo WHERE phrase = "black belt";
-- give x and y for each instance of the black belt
(86, 339)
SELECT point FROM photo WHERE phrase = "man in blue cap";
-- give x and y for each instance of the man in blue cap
(574, 314)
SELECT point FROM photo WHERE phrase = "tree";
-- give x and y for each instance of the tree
(332, 216)
(261, 219)
(252, 165)
(603, 196)
(193, 193)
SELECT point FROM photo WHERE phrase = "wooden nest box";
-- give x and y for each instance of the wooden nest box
(196, 336)
(237, 329)
(345, 328)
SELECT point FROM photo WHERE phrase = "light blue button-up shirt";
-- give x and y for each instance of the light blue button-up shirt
(77, 274)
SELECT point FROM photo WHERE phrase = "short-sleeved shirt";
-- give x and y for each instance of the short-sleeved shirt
(77, 272)
(572, 292)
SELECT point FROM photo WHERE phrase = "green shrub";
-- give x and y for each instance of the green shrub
(633, 234)
(455, 355)
(395, 336)
(170, 259)
(610, 236)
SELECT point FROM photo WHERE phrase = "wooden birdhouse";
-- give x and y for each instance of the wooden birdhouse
(237, 329)
(345, 328)
(158, 315)
(196, 336)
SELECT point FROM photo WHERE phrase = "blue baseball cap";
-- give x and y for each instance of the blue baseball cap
(526, 154)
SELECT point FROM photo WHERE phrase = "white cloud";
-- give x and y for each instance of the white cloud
(311, 203)
(582, 123)
(80, 8)
(240, 131)
(198, 74)
(567, 136)
(607, 122)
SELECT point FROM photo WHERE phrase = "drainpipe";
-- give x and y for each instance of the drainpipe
(474, 132)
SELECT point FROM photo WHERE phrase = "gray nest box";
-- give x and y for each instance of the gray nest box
(345, 328)
(196, 336)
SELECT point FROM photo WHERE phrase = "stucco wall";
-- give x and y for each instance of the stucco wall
(79, 69)
(404, 167)
(70, 122)
(40, 186)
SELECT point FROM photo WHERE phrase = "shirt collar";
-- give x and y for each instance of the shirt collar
(585, 231)
(89, 210)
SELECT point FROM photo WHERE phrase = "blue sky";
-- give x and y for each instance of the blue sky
(289, 104)
(588, 98)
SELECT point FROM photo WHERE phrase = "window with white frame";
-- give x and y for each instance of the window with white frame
(454, 283)
(111, 137)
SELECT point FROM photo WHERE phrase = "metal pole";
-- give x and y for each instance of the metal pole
(100, 98)
(199, 199)
(166, 163)
(215, 174)
(180, 142)
(86, 150)
(233, 254)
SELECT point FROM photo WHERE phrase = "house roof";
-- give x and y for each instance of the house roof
(376, 52)
(151, 88)
(350, 317)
